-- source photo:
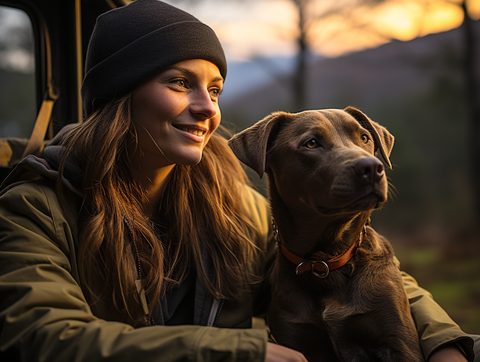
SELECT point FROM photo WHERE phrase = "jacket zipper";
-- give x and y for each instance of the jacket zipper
(216, 306)
(138, 283)
(215, 313)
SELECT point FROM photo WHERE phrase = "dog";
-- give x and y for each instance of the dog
(337, 291)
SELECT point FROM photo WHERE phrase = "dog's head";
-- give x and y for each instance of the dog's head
(321, 159)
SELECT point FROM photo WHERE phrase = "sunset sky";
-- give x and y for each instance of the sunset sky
(252, 28)
(264, 28)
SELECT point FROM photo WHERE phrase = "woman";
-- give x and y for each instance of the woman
(142, 217)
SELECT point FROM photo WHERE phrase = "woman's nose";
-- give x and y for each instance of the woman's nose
(202, 104)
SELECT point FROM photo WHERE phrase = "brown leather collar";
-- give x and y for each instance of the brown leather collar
(319, 268)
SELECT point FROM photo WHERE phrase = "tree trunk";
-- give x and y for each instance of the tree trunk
(473, 106)
(299, 78)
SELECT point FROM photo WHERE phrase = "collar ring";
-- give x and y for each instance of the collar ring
(312, 270)
(324, 274)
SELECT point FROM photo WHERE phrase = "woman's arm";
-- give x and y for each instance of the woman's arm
(44, 314)
(449, 353)
(440, 337)
(277, 353)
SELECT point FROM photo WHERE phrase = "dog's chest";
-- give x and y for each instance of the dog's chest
(308, 299)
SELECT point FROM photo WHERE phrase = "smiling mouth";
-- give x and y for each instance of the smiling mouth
(195, 132)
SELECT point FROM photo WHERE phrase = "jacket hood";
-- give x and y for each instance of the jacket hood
(47, 166)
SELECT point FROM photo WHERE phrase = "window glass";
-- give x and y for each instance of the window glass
(17, 78)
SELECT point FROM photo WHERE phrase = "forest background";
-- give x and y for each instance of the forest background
(413, 66)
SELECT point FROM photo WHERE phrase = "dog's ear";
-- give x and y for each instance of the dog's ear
(382, 138)
(250, 145)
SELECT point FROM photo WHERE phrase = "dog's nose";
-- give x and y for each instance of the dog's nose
(369, 169)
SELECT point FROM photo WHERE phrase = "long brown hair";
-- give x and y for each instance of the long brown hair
(201, 215)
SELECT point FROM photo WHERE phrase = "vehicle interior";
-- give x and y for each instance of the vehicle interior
(60, 31)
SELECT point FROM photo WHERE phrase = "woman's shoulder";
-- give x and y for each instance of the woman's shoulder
(254, 194)
(252, 197)
(256, 206)
(35, 202)
(32, 191)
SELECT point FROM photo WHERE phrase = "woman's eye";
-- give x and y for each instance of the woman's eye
(216, 92)
(180, 82)
(312, 143)
(365, 138)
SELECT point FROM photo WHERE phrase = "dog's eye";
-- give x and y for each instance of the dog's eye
(312, 143)
(365, 138)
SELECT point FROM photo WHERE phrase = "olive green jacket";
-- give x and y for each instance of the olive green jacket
(44, 315)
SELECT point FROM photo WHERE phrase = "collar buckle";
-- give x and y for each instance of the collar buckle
(319, 268)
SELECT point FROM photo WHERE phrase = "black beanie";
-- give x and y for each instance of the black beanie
(135, 42)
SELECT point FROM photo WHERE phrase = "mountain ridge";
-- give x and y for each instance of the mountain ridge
(362, 78)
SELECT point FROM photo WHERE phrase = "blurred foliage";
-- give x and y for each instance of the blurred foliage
(452, 280)
(430, 154)
(17, 79)
(17, 103)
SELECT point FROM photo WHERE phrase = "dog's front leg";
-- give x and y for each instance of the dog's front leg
(300, 331)
(378, 334)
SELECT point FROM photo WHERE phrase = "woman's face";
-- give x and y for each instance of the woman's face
(176, 112)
